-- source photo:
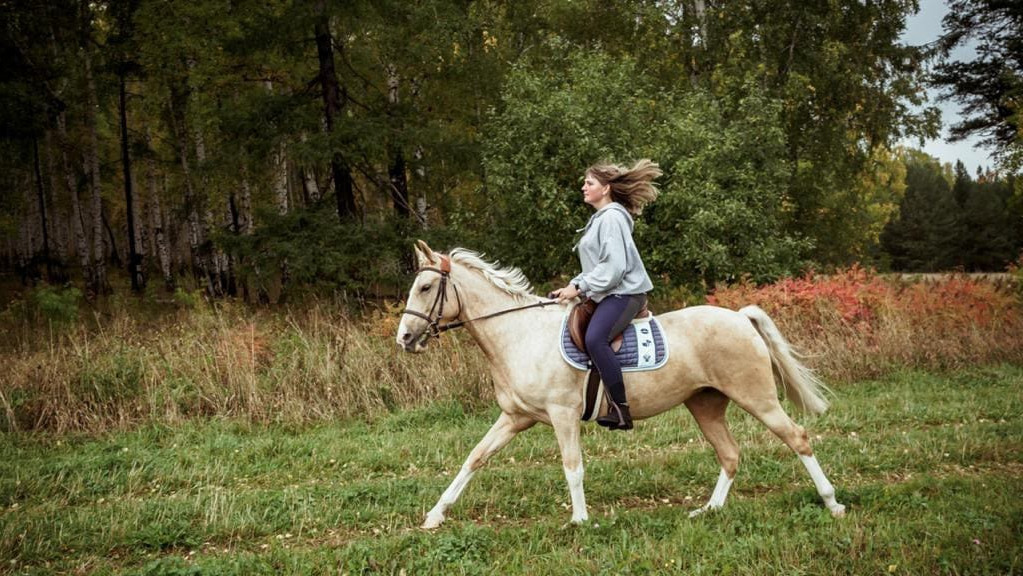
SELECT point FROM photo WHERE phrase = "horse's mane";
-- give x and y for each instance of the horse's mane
(508, 278)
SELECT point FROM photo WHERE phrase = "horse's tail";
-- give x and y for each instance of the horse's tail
(802, 386)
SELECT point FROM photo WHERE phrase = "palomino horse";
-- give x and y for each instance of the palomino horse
(716, 355)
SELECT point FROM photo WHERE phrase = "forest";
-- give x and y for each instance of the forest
(207, 213)
(265, 149)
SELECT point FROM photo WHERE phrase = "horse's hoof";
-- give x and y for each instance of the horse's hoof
(837, 511)
(432, 522)
(575, 522)
(703, 510)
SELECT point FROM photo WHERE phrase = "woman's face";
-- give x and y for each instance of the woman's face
(594, 193)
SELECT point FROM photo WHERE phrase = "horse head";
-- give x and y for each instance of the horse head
(432, 300)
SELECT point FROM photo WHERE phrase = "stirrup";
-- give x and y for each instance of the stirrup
(617, 417)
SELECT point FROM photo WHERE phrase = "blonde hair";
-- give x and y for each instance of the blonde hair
(634, 187)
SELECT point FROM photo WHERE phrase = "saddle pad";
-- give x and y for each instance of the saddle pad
(644, 347)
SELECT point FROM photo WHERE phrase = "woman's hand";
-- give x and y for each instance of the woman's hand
(566, 293)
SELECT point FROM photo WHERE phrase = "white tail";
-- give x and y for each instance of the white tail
(802, 386)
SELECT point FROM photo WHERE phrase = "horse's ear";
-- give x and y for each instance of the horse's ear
(424, 255)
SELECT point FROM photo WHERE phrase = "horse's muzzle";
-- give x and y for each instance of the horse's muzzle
(412, 342)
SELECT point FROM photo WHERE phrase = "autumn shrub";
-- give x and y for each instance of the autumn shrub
(856, 323)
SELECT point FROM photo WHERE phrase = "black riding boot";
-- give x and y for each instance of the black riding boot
(617, 417)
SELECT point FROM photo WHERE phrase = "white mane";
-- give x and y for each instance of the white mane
(509, 279)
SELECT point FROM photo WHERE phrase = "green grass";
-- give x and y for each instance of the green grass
(931, 467)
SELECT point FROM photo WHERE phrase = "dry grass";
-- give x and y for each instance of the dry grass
(226, 361)
(126, 366)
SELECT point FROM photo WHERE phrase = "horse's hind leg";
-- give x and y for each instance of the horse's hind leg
(708, 408)
(506, 427)
(769, 411)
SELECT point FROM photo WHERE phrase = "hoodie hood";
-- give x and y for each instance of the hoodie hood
(614, 206)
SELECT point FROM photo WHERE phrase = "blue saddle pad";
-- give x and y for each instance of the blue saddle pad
(644, 347)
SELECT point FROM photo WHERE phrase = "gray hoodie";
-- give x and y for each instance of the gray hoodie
(609, 257)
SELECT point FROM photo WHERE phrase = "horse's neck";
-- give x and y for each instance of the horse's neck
(480, 298)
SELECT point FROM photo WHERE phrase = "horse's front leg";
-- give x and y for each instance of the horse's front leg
(566, 427)
(506, 427)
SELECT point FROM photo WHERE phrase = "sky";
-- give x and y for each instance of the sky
(923, 28)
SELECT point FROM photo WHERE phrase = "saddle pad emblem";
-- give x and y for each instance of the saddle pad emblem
(644, 347)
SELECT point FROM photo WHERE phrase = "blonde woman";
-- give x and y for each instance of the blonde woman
(612, 275)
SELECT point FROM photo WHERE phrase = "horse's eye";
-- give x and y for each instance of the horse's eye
(425, 288)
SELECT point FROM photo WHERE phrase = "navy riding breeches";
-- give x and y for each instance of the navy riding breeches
(612, 315)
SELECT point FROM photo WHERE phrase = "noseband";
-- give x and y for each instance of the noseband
(434, 329)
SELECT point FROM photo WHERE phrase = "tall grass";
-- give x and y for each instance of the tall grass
(311, 364)
(89, 371)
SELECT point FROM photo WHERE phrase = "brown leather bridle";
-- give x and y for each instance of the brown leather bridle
(434, 329)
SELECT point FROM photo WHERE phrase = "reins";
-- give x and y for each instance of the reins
(435, 328)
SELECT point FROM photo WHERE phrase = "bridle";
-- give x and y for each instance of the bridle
(434, 329)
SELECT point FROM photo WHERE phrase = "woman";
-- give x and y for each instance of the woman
(613, 275)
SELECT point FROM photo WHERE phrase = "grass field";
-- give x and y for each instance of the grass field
(930, 466)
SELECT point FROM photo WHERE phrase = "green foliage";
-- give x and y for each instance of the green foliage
(1015, 270)
(560, 113)
(110, 381)
(923, 237)
(966, 225)
(842, 76)
(719, 214)
(186, 299)
(56, 304)
(318, 253)
(770, 120)
(990, 86)
(988, 239)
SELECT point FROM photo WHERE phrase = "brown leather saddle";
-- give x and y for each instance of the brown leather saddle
(579, 319)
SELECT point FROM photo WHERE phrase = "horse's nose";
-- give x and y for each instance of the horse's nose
(406, 338)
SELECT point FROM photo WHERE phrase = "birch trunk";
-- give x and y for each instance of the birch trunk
(396, 171)
(99, 282)
(41, 198)
(246, 225)
(700, 7)
(141, 222)
(421, 203)
(77, 219)
(158, 238)
(219, 266)
(280, 168)
(138, 279)
(58, 215)
(310, 187)
(195, 232)
(280, 179)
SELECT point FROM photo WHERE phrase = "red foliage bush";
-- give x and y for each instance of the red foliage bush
(856, 323)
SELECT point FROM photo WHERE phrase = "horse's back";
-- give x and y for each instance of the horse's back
(706, 324)
(709, 347)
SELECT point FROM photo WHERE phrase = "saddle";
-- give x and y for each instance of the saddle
(579, 319)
